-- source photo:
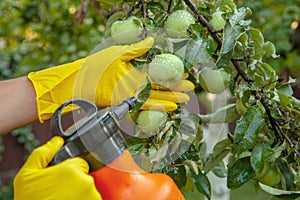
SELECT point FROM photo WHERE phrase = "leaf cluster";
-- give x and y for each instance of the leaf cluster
(262, 105)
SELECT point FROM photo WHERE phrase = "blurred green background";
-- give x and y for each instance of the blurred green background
(37, 34)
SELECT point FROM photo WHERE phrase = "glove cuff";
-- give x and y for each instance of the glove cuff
(53, 86)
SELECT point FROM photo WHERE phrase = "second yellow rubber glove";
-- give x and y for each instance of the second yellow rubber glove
(106, 78)
(67, 180)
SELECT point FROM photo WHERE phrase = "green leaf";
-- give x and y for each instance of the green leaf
(160, 154)
(223, 144)
(260, 153)
(178, 174)
(279, 192)
(107, 4)
(220, 170)
(243, 38)
(228, 6)
(155, 7)
(194, 117)
(192, 165)
(174, 144)
(287, 177)
(240, 173)
(202, 183)
(247, 130)
(224, 60)
(196, 52)
(187, 128)
(136, 148)
(142, 96)
(159, 19)
(224, 115)
(239, 15)
(231, 33)
(286, 89)
(257, 37)
(270, 48)
(261, 46)
(214, 159)
(265, 75)
(220, 151)
(285, 101)
(189, 183)
(230, 36)
(197, 122)
(135, 142)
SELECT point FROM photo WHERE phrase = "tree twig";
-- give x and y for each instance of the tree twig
(144, 9)
(81, 12)
(264, 102)
(292, 145)
(216, 38)
(240, 71)
(275, 125)
(169, 7)
(136, 5)
(204, 22)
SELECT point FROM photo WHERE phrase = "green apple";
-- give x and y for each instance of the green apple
(217, 21)
(149, 121)
(178, 23)
(213, 81)
(270, 176)
(166, 69)
(127, 31)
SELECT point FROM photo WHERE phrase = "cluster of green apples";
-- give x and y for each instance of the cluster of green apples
(130, 30)
(167, 69)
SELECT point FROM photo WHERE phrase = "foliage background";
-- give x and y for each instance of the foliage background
(37, 34)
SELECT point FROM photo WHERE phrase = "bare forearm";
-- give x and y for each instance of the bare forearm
(17, 104)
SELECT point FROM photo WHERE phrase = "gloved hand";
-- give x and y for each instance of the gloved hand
(67, 180)
(106, 78)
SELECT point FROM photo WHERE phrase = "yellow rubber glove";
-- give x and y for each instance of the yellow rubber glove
(106, 78)
(67, 180)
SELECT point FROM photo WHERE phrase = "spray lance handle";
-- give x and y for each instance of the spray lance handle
(97, 139)
(91, 134)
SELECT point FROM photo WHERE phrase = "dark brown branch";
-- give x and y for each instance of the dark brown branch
(215, 36)
(241, 58)
(292, 145)
(204, 22)
(240, 71)
(265, 104)
(144, 9)
(133, 8)
(275, 125)
(169, 7)
(81, 12)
